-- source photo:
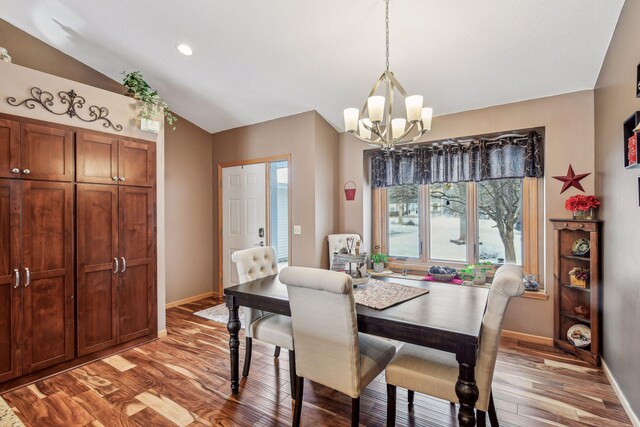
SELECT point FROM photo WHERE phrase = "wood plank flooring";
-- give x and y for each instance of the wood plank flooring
(182, 380)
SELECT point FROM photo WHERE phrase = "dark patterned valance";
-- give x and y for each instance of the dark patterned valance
(479, 159)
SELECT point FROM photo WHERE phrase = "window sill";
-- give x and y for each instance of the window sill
(539, 295)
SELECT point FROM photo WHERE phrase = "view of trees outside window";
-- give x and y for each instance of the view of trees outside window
(500, 218)
(499, 222)
(404, 221)
(448, 227)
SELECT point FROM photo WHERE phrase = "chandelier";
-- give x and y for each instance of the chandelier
(380, 128)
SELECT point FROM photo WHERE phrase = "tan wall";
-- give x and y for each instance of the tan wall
(313, 150)
(568, 120)
(186, 151)
(618, 190)
(189, 199)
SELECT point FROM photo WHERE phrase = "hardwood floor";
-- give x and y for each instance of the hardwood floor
(182, 380)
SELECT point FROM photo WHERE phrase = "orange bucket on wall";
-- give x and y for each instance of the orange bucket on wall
(350, 193)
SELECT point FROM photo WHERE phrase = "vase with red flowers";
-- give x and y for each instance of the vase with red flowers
(582, 207)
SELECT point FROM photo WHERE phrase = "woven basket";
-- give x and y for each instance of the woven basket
(447, 277)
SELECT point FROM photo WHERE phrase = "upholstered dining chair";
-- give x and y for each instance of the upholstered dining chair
(329, 349)
(337, 242)
(435, 372)
(271, 328)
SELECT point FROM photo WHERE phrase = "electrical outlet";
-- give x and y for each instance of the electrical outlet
(297, 229)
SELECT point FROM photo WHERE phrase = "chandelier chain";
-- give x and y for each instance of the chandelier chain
(386, 21)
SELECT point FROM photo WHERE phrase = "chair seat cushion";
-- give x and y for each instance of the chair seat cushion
(274, 329)
(375, 354)
(424, 370)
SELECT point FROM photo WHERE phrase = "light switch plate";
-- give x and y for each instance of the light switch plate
(297, 229)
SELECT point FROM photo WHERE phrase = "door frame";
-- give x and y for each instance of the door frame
(267, 161)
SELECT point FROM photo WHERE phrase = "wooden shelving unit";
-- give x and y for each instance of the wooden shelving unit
(568, 297)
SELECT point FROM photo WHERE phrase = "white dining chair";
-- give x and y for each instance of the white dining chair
(435, 372)
(337, 242)
(329, 349)
(255, 263)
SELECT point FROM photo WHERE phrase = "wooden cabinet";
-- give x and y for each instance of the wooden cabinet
(46, 153)
(96, 158)
(116, 265)
(9, 149)
(137, 250)
(10, 291)
(36, 277)
(577, 304)
(97, 267)
(104, 159)
(65, 301)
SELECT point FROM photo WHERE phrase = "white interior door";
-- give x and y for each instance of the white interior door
(244, 220)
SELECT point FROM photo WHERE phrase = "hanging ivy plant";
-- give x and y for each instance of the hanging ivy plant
(139, 89)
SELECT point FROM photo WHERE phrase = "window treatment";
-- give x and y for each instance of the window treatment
(509, 156)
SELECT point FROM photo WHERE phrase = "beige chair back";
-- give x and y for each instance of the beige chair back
(254, 263)
(337, 242)
(507, 282)
(325, 329)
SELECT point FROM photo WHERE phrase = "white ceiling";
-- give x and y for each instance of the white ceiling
(256, 60)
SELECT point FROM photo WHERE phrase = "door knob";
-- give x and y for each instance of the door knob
(259, 244)
(15, 170)
(122, 178)
(116, 268)
(114, 178)
(26, 171)
(28, 277)
(17, 282)
(124, 265)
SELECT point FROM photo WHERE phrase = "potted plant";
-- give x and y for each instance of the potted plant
(476, 272)
(378, 261)
(583, 207)
(579, 276)
(153, 104)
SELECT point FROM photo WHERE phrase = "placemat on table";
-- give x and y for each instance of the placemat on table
(455, 281)
(380, 295)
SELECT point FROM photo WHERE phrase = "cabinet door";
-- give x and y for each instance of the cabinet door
(10, 289)
(136, 163)
(137, 302)
(96, 158)
(46, 153)
(47, 253)
(9, 149)
(97, 268)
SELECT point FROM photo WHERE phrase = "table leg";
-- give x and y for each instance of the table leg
(467, 391)
(233, 326)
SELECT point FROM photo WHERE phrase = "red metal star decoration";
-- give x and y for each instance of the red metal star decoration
(571, 180)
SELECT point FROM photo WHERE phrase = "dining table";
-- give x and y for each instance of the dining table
(447, 318)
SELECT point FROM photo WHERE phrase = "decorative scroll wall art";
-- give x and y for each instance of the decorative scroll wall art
(73, 102)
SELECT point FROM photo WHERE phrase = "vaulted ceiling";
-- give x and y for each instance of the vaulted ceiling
(256, 60)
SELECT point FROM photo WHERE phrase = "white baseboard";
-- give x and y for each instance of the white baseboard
(533, 339)
(623, 399)
(190, 299)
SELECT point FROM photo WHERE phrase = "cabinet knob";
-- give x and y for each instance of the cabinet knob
(566, 224)
(122, 178)
(26, 171)
(15, 170)
(114, 178)
(581, 225)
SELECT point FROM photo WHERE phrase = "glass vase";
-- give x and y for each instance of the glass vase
(588, 214)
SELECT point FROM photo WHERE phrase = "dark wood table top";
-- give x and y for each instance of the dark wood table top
(447, 318)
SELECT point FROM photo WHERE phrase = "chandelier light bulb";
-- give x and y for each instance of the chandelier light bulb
(351, 116)
(375, 105)
(398, 127)
(427, 115)
(414, 108)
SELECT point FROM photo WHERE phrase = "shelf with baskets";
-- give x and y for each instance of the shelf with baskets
(577, 305)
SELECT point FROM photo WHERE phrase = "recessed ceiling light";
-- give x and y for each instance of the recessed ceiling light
(184, 49)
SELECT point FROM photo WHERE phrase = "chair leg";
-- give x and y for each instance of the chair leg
(355, 411)
(276, 353)
(481, 418)
(493, 415)
(247, 358)
(292, 372)
(410, 394)
(297, 411)
(391, 405)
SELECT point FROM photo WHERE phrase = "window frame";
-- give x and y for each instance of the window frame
(530, 230)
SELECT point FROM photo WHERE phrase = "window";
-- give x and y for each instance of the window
(458, 223)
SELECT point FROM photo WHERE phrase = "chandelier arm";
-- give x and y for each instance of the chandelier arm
(396, 83)
(381, 134)
(368, 141)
